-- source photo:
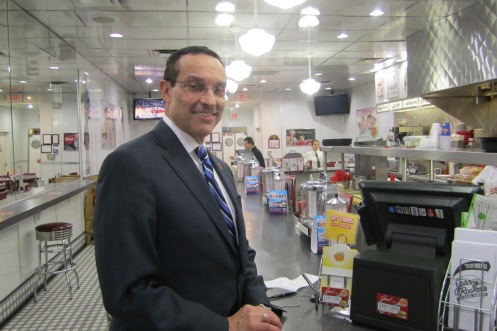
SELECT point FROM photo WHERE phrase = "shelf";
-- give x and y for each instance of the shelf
(458, 156)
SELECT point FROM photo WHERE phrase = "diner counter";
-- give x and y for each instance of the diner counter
(22, 205)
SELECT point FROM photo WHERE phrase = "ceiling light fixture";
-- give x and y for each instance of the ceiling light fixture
(309, 86)
(231, 86)
(309, 17)
(116, 35)
(285, 4)
(376, 12)
(224, 19)
(342, 35)
(256, 41)
(225, 7)
(351, 78)
(308, 21)
(238, 70)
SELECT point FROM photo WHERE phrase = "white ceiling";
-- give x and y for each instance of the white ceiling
(149, 25)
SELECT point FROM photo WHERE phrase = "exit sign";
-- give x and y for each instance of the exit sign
(234, 116)
(16, 97)
(241, 96)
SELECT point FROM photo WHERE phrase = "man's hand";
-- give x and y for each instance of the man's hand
(254, 318)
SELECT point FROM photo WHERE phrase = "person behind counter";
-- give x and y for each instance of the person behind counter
(315, 157)
(249, 144)
(158, 226)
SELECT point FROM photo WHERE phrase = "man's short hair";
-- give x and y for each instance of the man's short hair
(172, 71)
(250, 140)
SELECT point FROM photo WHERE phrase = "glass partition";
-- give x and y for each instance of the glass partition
(39, 132)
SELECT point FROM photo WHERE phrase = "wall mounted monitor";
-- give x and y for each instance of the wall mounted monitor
(331, 104)
(148, 109)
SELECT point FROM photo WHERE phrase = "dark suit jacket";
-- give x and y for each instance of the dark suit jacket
(164, 256)
(258, 155)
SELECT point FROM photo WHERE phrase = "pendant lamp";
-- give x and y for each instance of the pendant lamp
(309, 86)
(238, 70)
(256, 41)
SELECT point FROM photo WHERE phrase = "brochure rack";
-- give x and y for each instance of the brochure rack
(449, 313)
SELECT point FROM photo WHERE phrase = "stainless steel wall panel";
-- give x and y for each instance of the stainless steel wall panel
(458, 50)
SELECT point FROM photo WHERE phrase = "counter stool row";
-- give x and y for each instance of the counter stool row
(53, 239)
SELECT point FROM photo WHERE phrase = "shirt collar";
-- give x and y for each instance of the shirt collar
(186, 140)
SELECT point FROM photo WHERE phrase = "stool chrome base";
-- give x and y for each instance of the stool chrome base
(65, 265)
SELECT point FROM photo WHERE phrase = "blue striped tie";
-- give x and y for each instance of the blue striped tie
(216, 191)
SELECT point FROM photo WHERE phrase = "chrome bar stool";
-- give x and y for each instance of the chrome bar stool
(61, 233)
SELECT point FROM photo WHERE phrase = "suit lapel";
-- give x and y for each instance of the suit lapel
(181, 163)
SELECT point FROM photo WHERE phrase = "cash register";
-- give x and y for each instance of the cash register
(397, 286)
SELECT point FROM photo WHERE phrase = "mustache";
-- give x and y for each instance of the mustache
(204, 108)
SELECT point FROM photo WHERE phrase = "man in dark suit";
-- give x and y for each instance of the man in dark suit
(165, 258)
(249, 144)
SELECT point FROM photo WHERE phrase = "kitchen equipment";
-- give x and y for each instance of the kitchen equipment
(488, 144)
(337, 142)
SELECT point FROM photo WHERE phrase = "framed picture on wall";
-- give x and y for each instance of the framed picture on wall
(55, 139)
(216, 147)
(46, 148)
(47, 139)
(215, 137)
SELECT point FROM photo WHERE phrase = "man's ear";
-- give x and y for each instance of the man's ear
(165, 89)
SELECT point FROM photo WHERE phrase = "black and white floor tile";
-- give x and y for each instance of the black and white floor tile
(54, 311)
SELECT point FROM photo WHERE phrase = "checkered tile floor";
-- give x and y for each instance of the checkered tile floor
(54, 311)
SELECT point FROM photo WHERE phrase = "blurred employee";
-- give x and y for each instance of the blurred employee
(315, 157)
(248, 142)
(170, 255)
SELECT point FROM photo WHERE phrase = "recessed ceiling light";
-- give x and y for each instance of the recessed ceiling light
(103, 19)
(224, 19)
(263, 81)
(138, 68)
(30, 106)
(149, 81)
(54, 67)
(351, 78)
(328, 88)
(155, 90)
(245, 89)
(318, 74)
(376, 12)
(116, 35)
(22, 81)
(288, 89)
(342, 35)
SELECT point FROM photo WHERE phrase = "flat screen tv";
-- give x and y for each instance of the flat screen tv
(396, 215)
(331, 104)
(148, 109)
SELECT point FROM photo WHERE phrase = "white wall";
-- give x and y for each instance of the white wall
(279, 111)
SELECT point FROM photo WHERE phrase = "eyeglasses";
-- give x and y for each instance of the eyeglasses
(197, 89)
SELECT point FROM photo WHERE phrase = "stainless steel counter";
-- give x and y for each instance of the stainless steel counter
(36, 200)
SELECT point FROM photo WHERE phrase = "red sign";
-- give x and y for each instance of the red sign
(16, 97)
(391, 306)
(241, 96)
(234, 116)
